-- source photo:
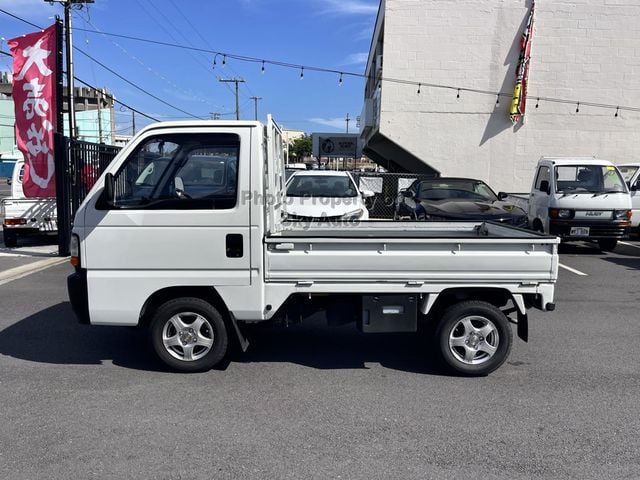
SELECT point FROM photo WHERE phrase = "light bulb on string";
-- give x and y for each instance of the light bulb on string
(224, 59)
(419, 85)
(458, 95)
(340, 80)
(301, 73)
(578, 107)
(617, 110)
(262, 69)
(538, 102)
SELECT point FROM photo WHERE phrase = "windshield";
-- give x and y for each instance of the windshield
(436, 190)
(335, 186)
(628, 171)
(588, 179)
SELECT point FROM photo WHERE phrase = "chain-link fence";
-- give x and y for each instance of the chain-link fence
(385, 187)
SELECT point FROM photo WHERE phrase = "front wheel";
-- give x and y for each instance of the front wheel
(189, 335)
(474, 338)
(607, 244)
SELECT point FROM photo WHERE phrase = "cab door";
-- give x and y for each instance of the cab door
(539, 199)
(177, 219)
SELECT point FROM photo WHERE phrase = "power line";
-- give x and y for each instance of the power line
(109, 69)
(302, 68)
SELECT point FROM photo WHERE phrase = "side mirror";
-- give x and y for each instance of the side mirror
(367, 193)
(634, 187)
(544, 187)
(8, 181)
(108, 195)
(502, 195)
(407, 193)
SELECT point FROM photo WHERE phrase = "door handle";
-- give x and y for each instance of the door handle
(234, 245)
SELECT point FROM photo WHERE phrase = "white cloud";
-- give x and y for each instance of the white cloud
(350, 7)
(337, 123)
(356, 59)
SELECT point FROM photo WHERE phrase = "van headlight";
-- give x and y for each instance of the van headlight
(622, 214)
(560, 213)
(354, 215)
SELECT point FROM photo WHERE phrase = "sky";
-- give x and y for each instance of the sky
(329, 34)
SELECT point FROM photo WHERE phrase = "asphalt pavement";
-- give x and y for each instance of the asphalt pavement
(311, 401)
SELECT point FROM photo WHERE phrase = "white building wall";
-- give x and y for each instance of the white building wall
(585, 50)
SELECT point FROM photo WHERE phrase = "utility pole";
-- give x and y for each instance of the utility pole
(69, 54)
(236, 81)
(133, 122)
(255, 105)
(347, 120)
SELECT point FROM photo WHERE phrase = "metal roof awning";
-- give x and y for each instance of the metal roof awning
(394, 158)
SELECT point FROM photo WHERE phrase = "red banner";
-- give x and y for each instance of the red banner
(34, 96)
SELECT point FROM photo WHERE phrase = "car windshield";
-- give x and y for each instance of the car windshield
(588, 179)
(321, 186)
(442, 189)
(628, 171)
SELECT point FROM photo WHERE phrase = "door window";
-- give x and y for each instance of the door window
(180, 171)
(543, 174)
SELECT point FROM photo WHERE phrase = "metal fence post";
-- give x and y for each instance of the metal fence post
(62, 194)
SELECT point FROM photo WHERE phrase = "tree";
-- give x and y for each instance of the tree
(300, 147)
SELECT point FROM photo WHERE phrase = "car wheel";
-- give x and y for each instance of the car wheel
(189, 335)
(474, 338)
(607, 244)
(10, 238)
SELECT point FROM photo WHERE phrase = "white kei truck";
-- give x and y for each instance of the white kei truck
(23, 216)
(580, 198)
(185, 234)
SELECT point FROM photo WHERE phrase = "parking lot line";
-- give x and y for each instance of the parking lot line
(24, 270)
(629, 244)
(573, 270)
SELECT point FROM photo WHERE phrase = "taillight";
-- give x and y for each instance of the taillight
(15, 221)
(74, 250)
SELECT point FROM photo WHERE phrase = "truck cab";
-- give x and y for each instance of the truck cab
(578, 198)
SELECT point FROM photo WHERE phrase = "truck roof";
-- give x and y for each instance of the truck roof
(575, 161)
(201, 123)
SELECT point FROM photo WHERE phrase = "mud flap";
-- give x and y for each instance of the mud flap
(523, 326)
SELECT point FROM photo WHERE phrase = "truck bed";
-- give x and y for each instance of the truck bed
(419, 252)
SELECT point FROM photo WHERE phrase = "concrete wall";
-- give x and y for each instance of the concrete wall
(585, 50)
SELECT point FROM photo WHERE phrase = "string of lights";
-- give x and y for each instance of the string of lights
(418, 85)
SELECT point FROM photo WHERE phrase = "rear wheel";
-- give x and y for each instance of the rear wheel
(10, 238)
(189, 335)
(474, 338)
(607, 244)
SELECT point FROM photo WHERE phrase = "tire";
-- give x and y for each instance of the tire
(474, 338)
(607, 244)
(10, 238)
(189, 335)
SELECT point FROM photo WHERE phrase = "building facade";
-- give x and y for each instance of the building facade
(583, 53)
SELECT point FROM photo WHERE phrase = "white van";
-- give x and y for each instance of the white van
(631, 174)
(579, 198)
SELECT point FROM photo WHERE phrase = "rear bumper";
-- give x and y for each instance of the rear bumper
(562, 228)
(78, 295)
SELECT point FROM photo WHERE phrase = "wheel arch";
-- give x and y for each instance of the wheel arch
(208, 294)
(439, 302)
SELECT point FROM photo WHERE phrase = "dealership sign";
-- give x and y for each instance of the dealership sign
(34, 96)
(336, 146)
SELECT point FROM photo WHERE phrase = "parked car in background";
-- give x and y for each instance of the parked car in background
(325, 195)
(580, 198)
(631, 174)
(441, 199)
(23, 216)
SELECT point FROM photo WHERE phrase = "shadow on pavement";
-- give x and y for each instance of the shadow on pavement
(54, 336)
(627, 262)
